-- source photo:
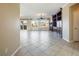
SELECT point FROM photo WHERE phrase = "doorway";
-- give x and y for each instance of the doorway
(75, 22)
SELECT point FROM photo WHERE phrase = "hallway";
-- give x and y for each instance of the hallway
(45, 43)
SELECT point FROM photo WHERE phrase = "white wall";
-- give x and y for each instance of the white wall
(66, 22)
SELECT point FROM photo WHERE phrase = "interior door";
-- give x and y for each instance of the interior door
(76, 23)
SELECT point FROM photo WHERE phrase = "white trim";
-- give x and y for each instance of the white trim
(66, 40)
(16, 51)
(65, 5)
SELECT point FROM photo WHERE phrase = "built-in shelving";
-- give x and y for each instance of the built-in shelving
(57, 18)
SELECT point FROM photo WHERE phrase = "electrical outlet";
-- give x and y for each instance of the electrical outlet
(6, 50)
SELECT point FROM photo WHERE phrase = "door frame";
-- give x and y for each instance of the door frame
(71, 21)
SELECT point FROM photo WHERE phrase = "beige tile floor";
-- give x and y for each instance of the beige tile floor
(45, 43)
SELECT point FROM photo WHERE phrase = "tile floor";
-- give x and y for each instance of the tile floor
(45, 43)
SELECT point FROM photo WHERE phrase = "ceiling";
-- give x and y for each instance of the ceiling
(31, 9)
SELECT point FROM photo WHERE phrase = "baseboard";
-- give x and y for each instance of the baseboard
(66, 40)
(16, 51)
